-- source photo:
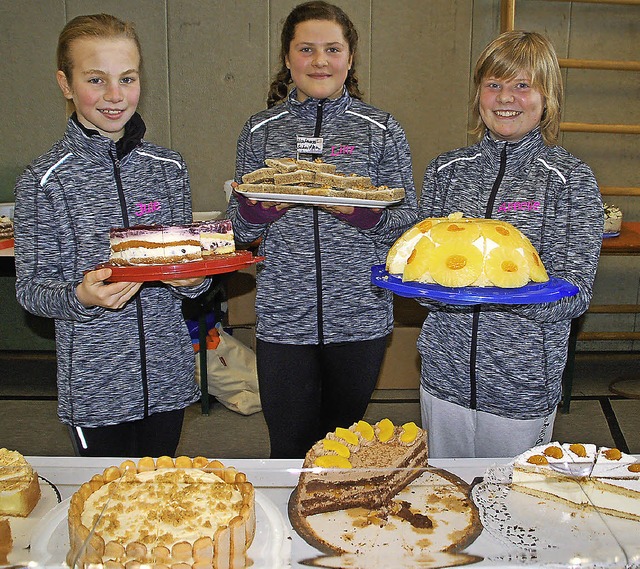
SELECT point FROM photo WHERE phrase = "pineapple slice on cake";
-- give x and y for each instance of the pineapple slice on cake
(455, 232)
(417, 267)
(501, 233)
(537, 272)
(403, 247)
(456, 264)
(506, 267)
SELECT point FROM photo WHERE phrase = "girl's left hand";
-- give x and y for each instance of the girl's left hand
(343, 209)
(193, 281)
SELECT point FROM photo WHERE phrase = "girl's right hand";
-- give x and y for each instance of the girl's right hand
(94, 291)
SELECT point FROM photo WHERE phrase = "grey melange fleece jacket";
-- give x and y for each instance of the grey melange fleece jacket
(113, 365)
(315, 285)
(508, 359)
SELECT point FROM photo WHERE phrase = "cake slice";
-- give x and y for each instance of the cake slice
(295, 177)
(19, 486)
(6, 541)
(282, 164)
(170, 244)
(317, 165)
(610, 483)
(362, 466)
(343, 182)
(216, 237)
(260, 176)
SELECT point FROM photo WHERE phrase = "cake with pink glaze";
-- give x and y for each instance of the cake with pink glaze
(170, 244)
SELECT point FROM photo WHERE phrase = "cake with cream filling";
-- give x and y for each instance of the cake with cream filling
(6, 227)
(609, 483)
(170, 244)
(183, 513)
(459, 252)
(612, 219)
(19, 486)
(362, 466)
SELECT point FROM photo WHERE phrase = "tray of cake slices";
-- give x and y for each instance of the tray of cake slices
(305, 182)
(565, 504)
(144, 253)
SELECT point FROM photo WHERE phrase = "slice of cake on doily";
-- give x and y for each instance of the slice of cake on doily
(608, 483)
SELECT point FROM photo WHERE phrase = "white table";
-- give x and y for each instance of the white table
(275, 479)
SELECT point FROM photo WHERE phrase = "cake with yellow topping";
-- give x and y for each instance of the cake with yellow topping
(603, 479)
(362, 466)
(19, 486)
(183, 513)
(459, 252)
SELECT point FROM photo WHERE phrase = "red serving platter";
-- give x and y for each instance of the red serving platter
(6, 243)
(218, 265)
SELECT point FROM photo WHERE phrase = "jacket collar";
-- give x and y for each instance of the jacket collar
(520, 152)
(90, 142)
(308, 107)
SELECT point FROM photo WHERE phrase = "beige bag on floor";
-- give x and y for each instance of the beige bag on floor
(232, 376)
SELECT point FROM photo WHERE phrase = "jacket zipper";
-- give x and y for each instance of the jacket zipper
(143, 351)
(477, 308)
(316, 240)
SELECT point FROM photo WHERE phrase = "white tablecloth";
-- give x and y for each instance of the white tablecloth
(275, 479)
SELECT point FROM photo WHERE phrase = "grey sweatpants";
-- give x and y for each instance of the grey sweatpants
(458, 432)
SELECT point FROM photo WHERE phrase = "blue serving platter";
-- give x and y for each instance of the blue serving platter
(532, 293)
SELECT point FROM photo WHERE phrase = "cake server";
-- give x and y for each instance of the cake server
(573, 469)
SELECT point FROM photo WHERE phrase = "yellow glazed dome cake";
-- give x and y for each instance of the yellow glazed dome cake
(459, 252)
(184, 513)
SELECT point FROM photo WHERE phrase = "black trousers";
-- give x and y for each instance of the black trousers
(308, 391)
(156, 435)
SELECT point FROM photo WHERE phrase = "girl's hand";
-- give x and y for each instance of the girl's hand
(343, 209)
(94, 291)
(193, 281)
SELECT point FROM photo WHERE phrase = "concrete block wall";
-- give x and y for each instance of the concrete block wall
(207, 67)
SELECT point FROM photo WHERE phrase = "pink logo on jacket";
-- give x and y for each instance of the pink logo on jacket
(144, 208)
(342, 149)
(519, 206)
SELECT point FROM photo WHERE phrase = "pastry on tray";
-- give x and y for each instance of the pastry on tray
(288, 176)
(170, 244)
